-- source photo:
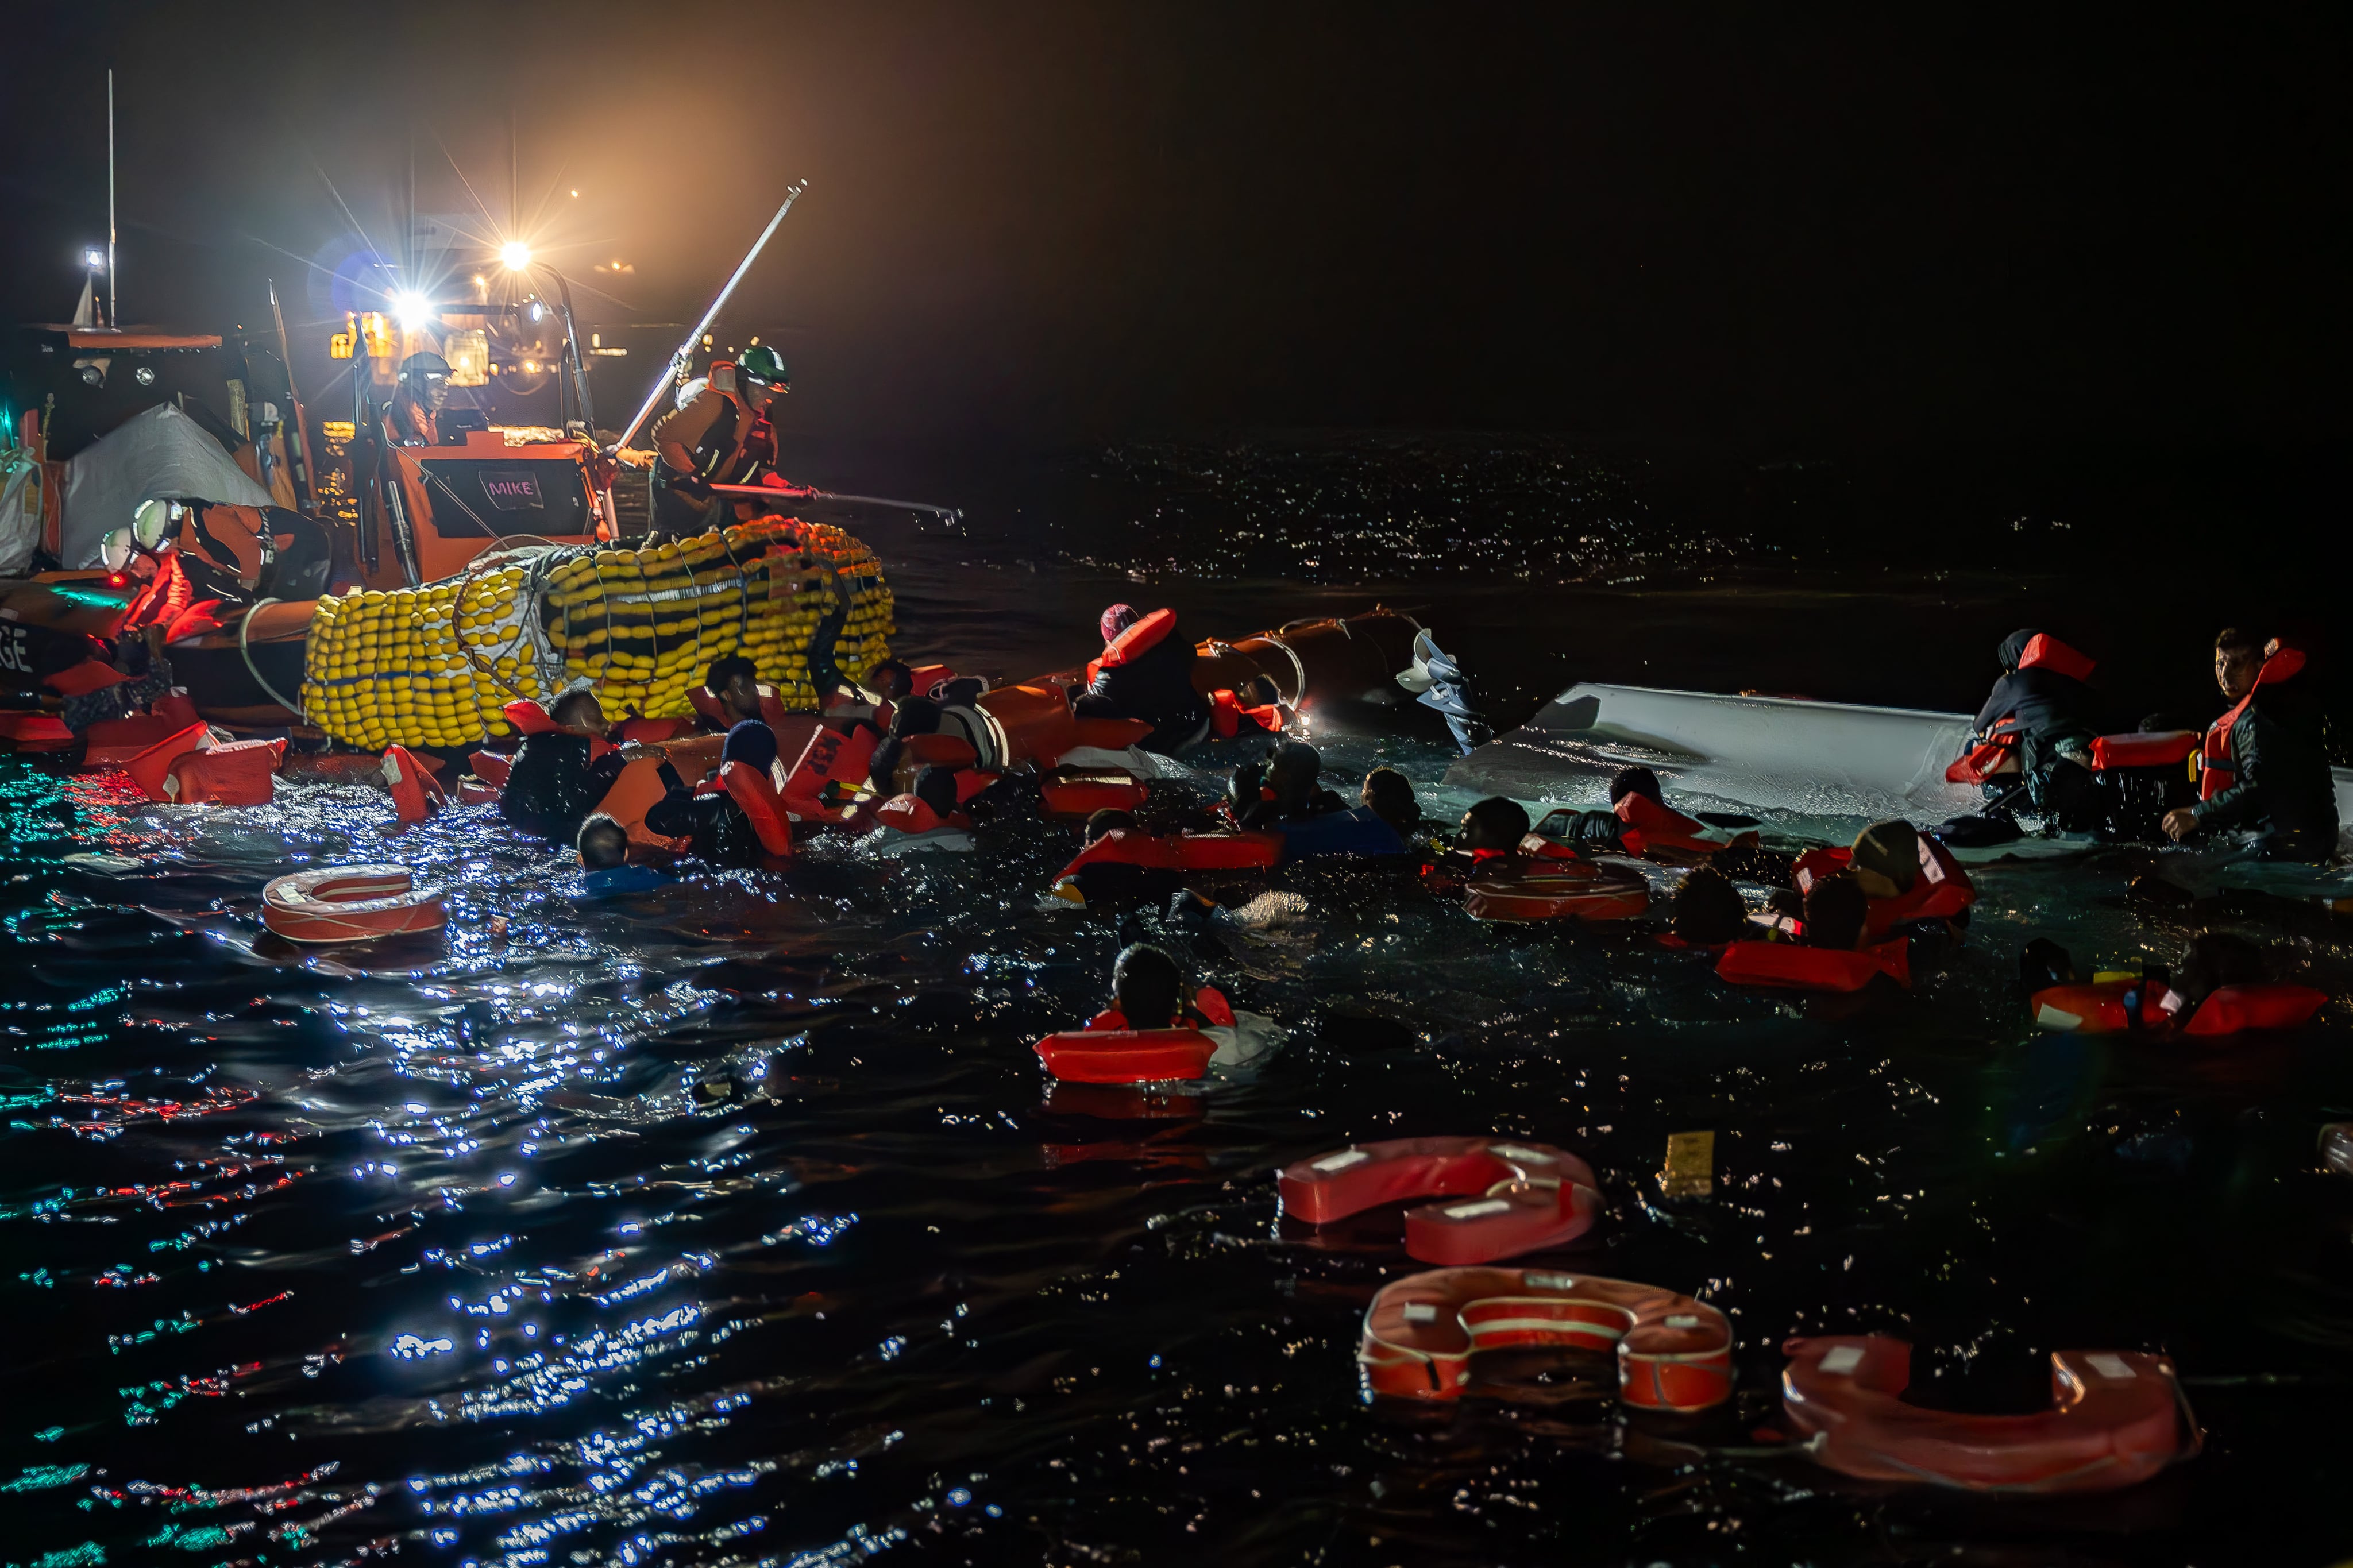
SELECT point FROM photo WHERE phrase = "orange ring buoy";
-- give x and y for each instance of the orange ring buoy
(1560, 889)
(350, 903)
(2116, 1417)
(1523, 1197)
(1674, 1354)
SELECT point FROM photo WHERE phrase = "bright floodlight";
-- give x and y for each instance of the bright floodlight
(515, 254)
(94, 259)
(413, 309)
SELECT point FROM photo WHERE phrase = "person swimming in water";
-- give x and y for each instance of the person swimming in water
(1708, 909)
(1147, 988)
(556, 779)
(604, 850)
(1153, 682)
(717, 831)
(1837, 907)
(1283, 786)
(1389, 795)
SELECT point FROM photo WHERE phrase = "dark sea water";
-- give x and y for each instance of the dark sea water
(735, 1223)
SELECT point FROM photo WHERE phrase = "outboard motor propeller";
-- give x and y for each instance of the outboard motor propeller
(1437, 681)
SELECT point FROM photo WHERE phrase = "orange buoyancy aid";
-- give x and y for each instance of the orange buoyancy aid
(1652, 829)
(831, 771)
(2117, 1418)
(753, 793)
(1227, 715)
(1524, 1196)
(912, 814)
(1791, 966)
(637, 789)
(1180, 851)
(1673, 1352)
(492, 767)
(242, 772)
(2216, 769)
(152, 768)
(1982, 760)
(1941, 891)
(2157, 749)
(415, 790)
(2043, 651)
(2115, 1006)
(1208, 1002)
(1553, 890)
(1068, 793)
(1126, 1055)
(1139, 639)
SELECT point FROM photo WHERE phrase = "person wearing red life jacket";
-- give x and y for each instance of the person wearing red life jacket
(1708, 909)
(2035, 729)
(1147, 991)
(92, 685)
(718, 832)
(1146, 672)
(2264, 765)
(1486, 844)
(559, 776)
(1837, 907)
(1656, 831)
(1389, 795)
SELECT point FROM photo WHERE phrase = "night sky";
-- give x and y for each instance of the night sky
(1741, 227)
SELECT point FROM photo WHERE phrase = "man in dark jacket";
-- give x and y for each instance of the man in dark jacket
(1154, 683)
(2042, 707)
(718, 831)
(2265, 765)
(555, 783)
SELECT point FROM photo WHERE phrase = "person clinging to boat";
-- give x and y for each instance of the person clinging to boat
(559, 776)
(416, 407)
(720, 435)
(2265, 764)
(1146, 672)
(734, 681)
(2033, 734)
(715, 824)
(92, 683)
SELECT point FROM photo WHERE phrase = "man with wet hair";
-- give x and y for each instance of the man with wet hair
(2266, 765)
(554, 782)
(1388, 793)
(1146, 987)
(1836, 911)
(1288, 789)
(1709, 910)
(1493, 826)
(735, 680)
(604, 850)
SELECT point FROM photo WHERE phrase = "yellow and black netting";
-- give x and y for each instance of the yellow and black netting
(436, 665)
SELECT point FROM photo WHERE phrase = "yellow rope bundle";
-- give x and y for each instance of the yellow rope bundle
(435, 665)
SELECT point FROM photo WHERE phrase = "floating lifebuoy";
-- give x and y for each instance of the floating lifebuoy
(350, 903)
(1127, 1055)
(1522, 1197)
(1674, 1354)
(2116, 1417)
(1559, 889)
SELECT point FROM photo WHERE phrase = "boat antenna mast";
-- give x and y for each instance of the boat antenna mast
(685, 354)
(113, 305)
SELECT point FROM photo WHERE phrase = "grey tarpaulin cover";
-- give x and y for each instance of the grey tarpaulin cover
(1437, 681)
(159, 454)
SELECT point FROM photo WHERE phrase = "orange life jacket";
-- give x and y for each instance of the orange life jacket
(152, 768)
(2115, 1006)
(414, 788)
(912, 814)
(492, 767)
(242, 772)
(2162, 749)
(1941, 891)
(1984, 759)
(2216, 771)
(749, 788)
(1180, 851)
(832, 769)
(2043, 651)
(1652, 828)
(1139, 639)
(1226, 716)
(1126, 1055)
(1789, 965)
(1082, 795)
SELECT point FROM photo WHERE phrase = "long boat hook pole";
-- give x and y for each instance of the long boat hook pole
(686, 349)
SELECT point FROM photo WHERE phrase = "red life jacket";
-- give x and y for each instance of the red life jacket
(81, 679)
(749, 788)
(492, 767)
(924, 679)
(2111, 1007)
(242, 772)
(1226, 716)
(1652, 827)
(830, 773)
(1180, 851)
(152, 767)
(529, 718)
(1942, 891)
(35, 733)
(1789, 966)
(2162, 749)
(2216, 771)
(1981, 761)
(1139, 639)
(2043, 651)
(1126, 1055)
(1208, 1002)
(910, 813)
(414, 788)
(1081, 795)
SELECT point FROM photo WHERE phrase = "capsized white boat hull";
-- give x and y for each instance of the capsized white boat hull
(1820, 759)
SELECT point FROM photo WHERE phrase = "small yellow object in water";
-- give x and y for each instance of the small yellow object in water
(1691, 1165)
